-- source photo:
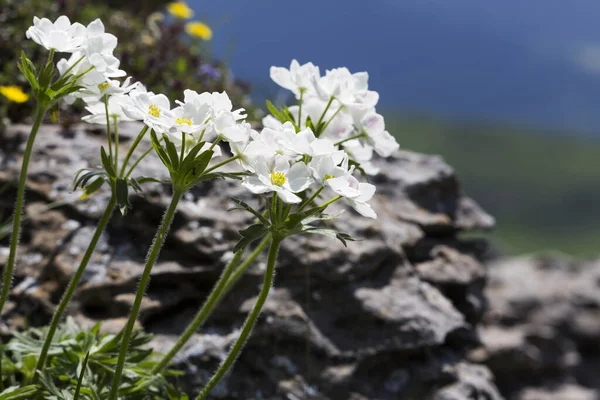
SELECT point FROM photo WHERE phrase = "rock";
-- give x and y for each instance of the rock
(542, 333)
(392, 316)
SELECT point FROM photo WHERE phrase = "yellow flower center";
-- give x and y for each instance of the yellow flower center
(14, 93)
(186, 121)
(278, 178)
(154, 111)
(103, 86)
(199, 29)
(328, 176)
(179, 9)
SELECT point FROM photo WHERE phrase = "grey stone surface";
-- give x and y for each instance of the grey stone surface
(393, 316)
(541, 336)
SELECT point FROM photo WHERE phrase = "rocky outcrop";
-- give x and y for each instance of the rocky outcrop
(542, 335)
(393, 316)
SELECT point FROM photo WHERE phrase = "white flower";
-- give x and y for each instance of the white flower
(248, 151)
(347, 88)
(359, 203)
(189, 119)
(110, 87)
(276, 175)
(327, 173)
(116, 103)
(95, 83)
(275, 141)
(97, 40)
(271, 122)
(220, 110)
(305, 143)
(362, 153)
(299, 78)
(373, 125)
(238, 133)
(61, 35)
(153, 109)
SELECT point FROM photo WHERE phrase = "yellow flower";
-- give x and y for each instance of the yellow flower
(180, 9)
(199, 29)
(14, 93)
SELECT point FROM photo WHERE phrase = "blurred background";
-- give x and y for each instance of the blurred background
(506, 91)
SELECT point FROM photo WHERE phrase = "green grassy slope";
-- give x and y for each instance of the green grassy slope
(544, 190)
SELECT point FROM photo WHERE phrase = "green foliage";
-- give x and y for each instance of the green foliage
(81, 363)
(157, 51)
(541, 186)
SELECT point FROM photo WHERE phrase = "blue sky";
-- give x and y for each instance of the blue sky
(535, 62)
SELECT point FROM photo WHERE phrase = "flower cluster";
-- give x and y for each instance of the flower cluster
(306, 157)
(318, 144)
(342, 102)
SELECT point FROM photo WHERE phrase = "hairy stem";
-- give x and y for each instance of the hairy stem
(134, 145)
(228, 278)
(248, 324)
(16, 230)
(159, 240)
(311, 199)
(74, 282)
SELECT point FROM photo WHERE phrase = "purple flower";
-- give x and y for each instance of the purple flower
(208, 71)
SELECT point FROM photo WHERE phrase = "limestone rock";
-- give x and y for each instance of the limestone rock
(392, 316)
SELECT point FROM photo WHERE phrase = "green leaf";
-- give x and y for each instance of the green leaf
(201, 162)
(275, 112)
(93, 187)
(18, 393)
(85, 178)
(107, 163)
(330, 233)
(122, 193)
(160, 151)
(191, 156)
(81, 374)
(293, 220)
(173, 155)
(253, 231)
(251, 210)
(28, 70)
(135, 185)
(46, 75)
(145, 179)
(309, 124)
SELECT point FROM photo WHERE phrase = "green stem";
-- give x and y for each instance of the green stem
(14, 239)
(350, 138)
(182, 154)
(159, 240)
(241, 269)
(75, 282)
(300, 108)
(68, 71)
(332, 117)
(248, 324)
(310, 200)
(202, 314)
(228, 278)
(134, 145)
(212, 146)
(135, 164)
(110, 151)
(230, 159)
(323, 116)
(116, 125)
(324, 205)
(274, 214)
